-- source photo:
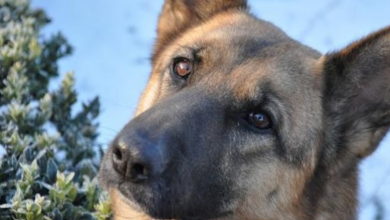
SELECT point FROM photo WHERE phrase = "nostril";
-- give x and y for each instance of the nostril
(139, 172)
(133, 169)
(117, 154)
(120, 159)
(139, 169)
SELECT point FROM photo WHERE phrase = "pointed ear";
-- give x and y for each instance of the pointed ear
(179, 15)
(357, 93)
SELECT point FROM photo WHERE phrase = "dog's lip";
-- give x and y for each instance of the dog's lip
(129, 202)
(219, 217)
(132, 204)
(138, 208)
(124, 197)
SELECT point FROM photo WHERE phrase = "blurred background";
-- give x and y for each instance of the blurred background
(113, 40)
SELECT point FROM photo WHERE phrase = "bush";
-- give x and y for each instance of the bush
(49, 154)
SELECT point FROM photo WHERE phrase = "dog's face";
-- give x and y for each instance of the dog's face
(238, 121)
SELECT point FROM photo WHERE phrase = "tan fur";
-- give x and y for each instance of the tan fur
(255, 207)
(149, 95)
(323, 129)
(122, 210)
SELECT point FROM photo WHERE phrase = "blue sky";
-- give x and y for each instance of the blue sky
(113, 41)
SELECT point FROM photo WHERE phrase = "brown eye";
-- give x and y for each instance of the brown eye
(182, 67)
(260, 120)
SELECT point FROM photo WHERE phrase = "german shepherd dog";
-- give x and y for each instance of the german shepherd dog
(240, 122)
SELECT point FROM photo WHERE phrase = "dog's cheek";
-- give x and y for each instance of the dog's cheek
(270, 191)
(159, 87)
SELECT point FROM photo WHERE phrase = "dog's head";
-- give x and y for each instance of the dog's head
(238, 121)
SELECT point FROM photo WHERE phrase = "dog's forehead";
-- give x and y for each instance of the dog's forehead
(236, 38)
(242, 32)
(248, 50)
(218, 32)
(242, 54)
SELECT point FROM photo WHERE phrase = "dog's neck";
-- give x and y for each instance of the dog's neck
(332, 195)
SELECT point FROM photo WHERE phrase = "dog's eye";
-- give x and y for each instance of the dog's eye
(182, 67)
(260, 120)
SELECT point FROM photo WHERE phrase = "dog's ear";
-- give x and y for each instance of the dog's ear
(357, 94)
(179, 15)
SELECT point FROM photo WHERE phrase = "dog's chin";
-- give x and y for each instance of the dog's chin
(187, 216)
(166, 212)
(159, 210)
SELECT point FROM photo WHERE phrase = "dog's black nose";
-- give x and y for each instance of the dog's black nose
(136, 161)
(124, 164)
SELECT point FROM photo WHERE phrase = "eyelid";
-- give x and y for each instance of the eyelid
(271, 113)
(265, 106)
(180, 58)
(190, 53)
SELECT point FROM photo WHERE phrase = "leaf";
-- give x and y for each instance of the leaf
(51, 170)
(56, 214)
(87, 216)
(68, 210)
(69, 178)
(28, 154)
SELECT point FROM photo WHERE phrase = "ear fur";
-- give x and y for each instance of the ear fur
(180, 15)
(357, 93)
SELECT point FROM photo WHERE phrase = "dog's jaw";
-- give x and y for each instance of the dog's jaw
(125, 209)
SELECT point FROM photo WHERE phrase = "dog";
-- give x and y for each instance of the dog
(240, 122)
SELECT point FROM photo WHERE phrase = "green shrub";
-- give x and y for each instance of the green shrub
(49, 154)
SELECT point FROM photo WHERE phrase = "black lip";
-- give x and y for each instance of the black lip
(155, 214)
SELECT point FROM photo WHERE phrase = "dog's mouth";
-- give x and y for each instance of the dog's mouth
(160, 206)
